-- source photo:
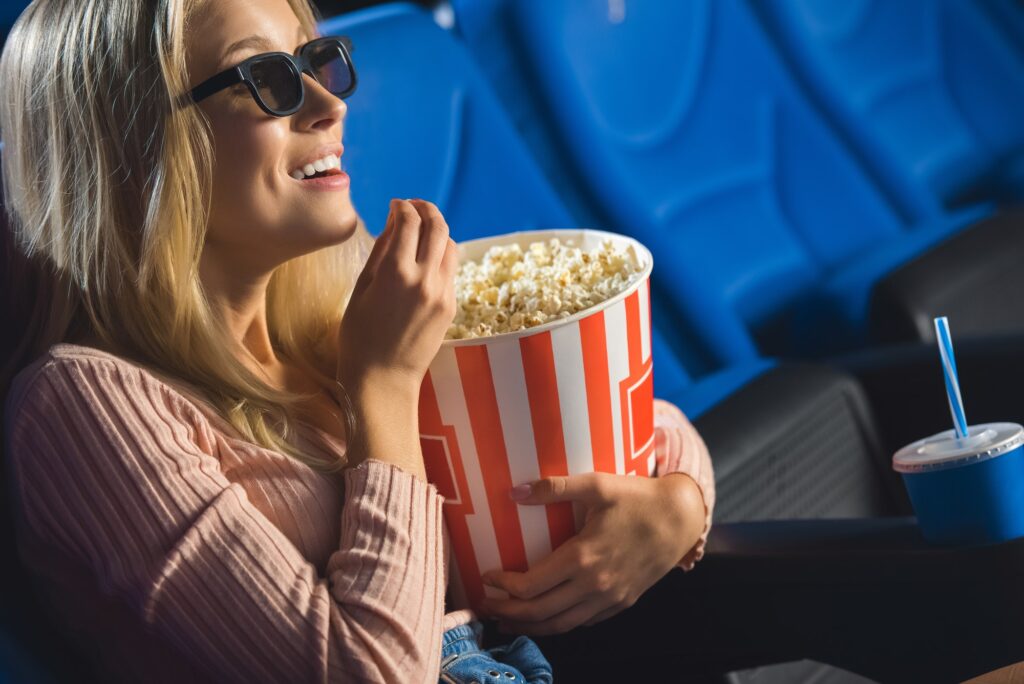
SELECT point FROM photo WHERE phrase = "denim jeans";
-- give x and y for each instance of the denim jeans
(464, 662)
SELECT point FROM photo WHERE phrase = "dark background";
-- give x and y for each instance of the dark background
(10, 9)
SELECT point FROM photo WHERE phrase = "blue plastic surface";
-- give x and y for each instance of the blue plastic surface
(932, 91)
(1008, 17)
(405, 138)
(834, 313)
(10, 10)
(979, 503)
(711, 390)
(692, 135)
(423, 124)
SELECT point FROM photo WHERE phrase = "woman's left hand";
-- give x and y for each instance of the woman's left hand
(635, 530)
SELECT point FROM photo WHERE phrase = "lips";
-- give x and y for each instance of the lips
(319, 160)
(333, 181)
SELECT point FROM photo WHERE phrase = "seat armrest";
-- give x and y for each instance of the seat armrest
(966, 277)
(866, 595)
(798, 441)
(843, 537)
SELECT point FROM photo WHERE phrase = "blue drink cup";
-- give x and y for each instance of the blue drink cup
(970, 490)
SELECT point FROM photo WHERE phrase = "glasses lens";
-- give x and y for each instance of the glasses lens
(331, 68)
(277, 82)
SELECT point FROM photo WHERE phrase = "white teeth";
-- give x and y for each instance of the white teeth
(320, 165)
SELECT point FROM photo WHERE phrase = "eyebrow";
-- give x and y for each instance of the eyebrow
(253, 41)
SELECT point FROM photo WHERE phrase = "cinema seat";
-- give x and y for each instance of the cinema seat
(686, 130)
(788, 441)
(930, 92)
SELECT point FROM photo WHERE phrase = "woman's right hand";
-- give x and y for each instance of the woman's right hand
(400, 309)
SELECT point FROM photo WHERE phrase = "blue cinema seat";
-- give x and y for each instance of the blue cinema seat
(1008, 16)
(787, 441)
(931, 91)
(685, 129)
(431, 128)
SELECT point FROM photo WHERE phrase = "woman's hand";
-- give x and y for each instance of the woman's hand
(635, 530)
(401, 306)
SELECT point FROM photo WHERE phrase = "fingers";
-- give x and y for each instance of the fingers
(449, 265)
(450, 262)
(589, 488)
(406, 232)
(433, 238)
(549, 572)
(380, 248)
(547, 605)
(604, 615)
(563, 622)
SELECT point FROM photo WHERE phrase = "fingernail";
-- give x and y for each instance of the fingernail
(520, 492)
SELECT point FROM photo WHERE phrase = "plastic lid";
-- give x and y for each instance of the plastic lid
(945, 450)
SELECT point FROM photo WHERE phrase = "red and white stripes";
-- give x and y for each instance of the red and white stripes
(515, 408)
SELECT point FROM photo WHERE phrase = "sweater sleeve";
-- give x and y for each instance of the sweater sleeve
(683, 451)
(115, 468)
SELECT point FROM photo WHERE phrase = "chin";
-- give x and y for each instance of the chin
(337, 230)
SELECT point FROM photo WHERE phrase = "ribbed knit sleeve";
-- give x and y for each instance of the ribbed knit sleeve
(683, 451)
(119, 471)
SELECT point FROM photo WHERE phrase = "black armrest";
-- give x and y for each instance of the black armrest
(865, 595)
(971, 277)
(799, 441)
(748, 541)
(905, 388)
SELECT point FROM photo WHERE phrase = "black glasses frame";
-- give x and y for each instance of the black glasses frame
(297, 64)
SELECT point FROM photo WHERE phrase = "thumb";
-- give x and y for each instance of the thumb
(379, 249)
(589, 488)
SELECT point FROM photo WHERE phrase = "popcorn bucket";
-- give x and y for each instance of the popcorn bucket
(570, 396)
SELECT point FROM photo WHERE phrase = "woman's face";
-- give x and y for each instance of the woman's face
(260, 215)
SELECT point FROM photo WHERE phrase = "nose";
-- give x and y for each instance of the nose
(321, 109)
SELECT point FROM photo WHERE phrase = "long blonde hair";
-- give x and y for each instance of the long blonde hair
(107, 188)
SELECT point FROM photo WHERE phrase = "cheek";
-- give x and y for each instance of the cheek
(246, 187)
(254, 203)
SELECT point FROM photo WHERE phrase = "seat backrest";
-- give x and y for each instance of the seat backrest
(693, 136)
(424, 123)
(32, 647)
(932, 91)
(1008, 16)
(421, 124)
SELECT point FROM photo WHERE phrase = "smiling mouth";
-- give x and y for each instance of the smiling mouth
(324, 174)
(328, 165)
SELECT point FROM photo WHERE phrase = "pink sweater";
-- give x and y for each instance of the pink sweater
(181, 552)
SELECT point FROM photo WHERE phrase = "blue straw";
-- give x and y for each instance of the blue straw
(956, 403)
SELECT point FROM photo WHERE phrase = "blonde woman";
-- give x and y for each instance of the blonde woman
(211, 430)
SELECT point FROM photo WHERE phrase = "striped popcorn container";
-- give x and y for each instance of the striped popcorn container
(567, 397)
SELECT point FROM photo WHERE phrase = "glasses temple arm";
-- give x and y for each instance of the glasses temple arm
(216, 83)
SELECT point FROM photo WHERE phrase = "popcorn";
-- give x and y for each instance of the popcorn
(511, 289)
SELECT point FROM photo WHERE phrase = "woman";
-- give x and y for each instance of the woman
(213, 434)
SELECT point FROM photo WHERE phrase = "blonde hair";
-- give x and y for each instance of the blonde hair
(107, 182)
